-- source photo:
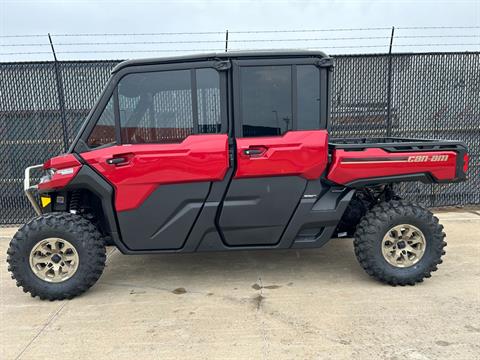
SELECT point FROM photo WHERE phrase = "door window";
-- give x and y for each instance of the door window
(266, 97)
(159, 107)
(308, 97)
(277, 99)
(104, 131)
(155, 107)
(208, 100)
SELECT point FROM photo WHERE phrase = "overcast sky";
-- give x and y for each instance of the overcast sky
(83, 16)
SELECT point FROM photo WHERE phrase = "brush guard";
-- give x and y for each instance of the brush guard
(30, 189)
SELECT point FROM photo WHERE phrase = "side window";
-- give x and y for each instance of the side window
(155, 107)
(266, 100)
(308, 97)
(208, 101)
(158, 107)
(266, 96)
(104, 131)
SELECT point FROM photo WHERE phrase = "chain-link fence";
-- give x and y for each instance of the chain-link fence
(435, 95)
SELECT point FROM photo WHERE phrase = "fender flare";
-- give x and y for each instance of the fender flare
(90, 180)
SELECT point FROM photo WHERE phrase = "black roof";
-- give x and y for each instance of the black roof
(222, 56)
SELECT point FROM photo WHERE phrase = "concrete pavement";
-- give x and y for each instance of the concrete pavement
(309, 304)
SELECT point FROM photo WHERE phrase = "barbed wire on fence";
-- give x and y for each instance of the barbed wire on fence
(247, 31)
(241, 40)
(358, 38)
(243, 49)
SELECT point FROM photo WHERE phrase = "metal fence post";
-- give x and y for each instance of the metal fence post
(61, 96)
(226, 40)
(389, 85)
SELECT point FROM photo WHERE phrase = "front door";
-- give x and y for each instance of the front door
(279, 148)
(169, 144)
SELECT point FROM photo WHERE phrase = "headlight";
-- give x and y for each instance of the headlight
(47, 176)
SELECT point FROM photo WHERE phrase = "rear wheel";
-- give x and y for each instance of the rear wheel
(399, 243)
(56, 256)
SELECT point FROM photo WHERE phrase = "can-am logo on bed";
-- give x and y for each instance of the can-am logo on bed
(426, 158)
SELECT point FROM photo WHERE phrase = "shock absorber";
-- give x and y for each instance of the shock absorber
(75, 201)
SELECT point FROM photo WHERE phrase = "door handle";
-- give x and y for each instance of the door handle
(253, 152)
(117, 161)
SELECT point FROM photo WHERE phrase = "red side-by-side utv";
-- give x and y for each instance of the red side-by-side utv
(224, 152)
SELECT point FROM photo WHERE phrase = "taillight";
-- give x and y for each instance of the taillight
(465, 163)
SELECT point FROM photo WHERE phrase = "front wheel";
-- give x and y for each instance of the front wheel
(399, 243)
(56, 256)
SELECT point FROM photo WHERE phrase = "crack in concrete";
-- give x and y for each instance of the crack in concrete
(109, 254)
(49, 321)
(148, 287)
(52, 318)
(258, 300)
(235, 300)
(262, 320)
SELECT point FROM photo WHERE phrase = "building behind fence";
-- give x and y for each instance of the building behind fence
(437, 95)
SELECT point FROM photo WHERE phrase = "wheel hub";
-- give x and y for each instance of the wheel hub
(54, 260)
(403, 245)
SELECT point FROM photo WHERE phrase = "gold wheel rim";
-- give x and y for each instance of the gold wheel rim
(54, 260)
(403, 245)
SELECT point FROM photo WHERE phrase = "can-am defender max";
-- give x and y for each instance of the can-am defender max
(226, 152)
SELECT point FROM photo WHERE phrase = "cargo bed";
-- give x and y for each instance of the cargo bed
(367, 161)
(396, 144)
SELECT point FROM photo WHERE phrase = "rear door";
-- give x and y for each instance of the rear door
(281, 144)
(161, 141)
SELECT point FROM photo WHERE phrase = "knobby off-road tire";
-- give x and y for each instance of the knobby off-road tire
(377, 224)
(87, 248)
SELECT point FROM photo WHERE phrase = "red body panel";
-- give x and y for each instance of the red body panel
(348, 166)
(67, 167)
(61, 162)
(302, 153)
(197, 158)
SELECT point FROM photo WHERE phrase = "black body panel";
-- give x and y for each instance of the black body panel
(88, 179)
(165, 218)
(206, 225)
(313, 223)
(187, 224)
(257, 210)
